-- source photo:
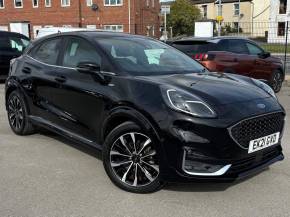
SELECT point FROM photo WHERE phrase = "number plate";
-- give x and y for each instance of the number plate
(264, 142)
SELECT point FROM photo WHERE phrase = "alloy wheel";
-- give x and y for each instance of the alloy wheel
(277, 82)
(133, 159)
(15, 113)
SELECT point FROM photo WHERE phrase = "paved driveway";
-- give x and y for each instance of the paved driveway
(44, 175)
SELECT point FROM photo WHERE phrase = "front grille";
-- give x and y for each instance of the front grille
(257, 127)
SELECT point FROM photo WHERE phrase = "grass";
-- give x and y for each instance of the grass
(275, 48)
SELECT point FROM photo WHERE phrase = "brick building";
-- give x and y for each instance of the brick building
(132, 16)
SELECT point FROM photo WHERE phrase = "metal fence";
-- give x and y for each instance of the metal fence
(272, 36)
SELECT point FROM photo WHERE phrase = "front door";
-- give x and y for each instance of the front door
(80, 98)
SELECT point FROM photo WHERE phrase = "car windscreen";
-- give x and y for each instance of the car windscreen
(141, 56)
(194, 47)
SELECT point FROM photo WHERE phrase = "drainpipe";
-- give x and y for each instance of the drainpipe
(80, 14)
(129, 15)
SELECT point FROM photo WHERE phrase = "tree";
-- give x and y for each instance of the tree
(182, 16)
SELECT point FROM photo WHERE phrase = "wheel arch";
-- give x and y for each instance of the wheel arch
(122, 114)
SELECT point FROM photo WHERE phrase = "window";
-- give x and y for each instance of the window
(204, 11)
(77, 51)
(139, 56)
(13, 44)
(153, 3)
(2, 5)
(18, 4)
(18, 44)
(281, 29)
(35, 3)
(47, 3)
(236, 9)
(48, 51)
(147, 3)
(113, 2)
(89, 3)
(234, 46)
(219, 10)
(65, 3)
(114, 28)
(283, 7)
(253, 49)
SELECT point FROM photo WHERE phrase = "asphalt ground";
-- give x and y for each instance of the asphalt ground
(44, 175)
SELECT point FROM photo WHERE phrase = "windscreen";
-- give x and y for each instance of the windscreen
(141, 56)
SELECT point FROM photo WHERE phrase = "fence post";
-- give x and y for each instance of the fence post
(286, 46)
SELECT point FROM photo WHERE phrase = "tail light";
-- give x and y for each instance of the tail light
(203, 56)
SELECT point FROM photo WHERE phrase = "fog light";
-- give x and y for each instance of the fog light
(194, 167)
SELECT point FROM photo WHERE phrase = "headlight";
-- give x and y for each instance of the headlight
(265, 87)
(189, 104)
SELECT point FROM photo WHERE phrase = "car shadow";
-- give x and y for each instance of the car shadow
(177, 187)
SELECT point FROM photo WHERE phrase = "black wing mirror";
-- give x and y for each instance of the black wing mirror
(264, 55)
(92, 69)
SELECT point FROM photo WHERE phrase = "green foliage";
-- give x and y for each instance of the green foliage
(182, 17)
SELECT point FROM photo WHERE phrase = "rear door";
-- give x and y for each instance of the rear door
(236, 57)
(41, 68)
(261, 66)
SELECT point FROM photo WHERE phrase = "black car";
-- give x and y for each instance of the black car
(11, 46)
(157, 115)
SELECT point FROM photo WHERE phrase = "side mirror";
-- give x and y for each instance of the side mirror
(264, 55)
(94, 70)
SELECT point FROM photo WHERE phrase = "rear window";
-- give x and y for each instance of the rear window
(194, 47)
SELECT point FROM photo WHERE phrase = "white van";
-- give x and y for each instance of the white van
(53, 30)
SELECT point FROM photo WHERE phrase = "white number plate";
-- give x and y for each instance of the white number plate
(264, 142)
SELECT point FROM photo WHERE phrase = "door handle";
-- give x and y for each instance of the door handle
(26, 70)
(60, 79)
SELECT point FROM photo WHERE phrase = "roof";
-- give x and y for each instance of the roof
(208, 39)
(5, 33)
(216, 1)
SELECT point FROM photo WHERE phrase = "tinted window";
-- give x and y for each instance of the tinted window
(234, 46)
(79, 50)
(48, 51)
(253, 49)
(194, 47)
(140, 56)
(13, 44)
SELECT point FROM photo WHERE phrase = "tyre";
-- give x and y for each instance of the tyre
(277, 81)
(18, 115)
(131, 160)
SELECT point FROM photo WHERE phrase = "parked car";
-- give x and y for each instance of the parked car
(234, 55)
(157, 115)
(53, 30)
(11, 46)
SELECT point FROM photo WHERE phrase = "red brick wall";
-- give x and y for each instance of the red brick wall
(141, 15)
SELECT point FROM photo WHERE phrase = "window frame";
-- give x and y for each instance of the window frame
(18, 6)
(113, 5)
(47, 5)
(255, 45)
(279, 8)
(3, 7)
(237, 10)
(278, 29)
(204, 12)
(111, 25)
(34, 49)
(37, 4)
(65, 5)
(89, 3)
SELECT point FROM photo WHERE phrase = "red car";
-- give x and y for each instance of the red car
(234, 55)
